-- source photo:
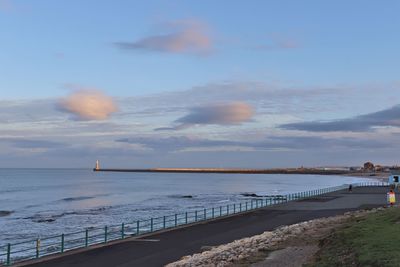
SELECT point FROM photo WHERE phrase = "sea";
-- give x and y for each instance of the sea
(35, 203)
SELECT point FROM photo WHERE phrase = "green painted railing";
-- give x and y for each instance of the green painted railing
(26, 250)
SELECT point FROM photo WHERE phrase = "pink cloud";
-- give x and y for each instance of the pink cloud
(184, 36)
(88, 105)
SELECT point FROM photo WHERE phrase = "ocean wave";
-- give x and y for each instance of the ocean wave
(4, 213)
(181, 196)
(77, 198)
(47, 217)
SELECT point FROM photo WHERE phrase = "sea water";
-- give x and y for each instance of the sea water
(35, 203)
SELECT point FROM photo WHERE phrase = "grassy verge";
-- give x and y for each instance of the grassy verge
(371, 241)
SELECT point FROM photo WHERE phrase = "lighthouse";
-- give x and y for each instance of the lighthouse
(97, 166)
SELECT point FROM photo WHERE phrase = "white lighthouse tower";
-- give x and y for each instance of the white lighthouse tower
(97, 166)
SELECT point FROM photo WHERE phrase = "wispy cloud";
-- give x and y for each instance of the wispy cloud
(88, 105)
(385, 118)
(275, 42)
(31, 143)
(184, 36)
(272, 143)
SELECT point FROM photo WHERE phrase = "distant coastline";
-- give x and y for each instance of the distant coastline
(316, 171)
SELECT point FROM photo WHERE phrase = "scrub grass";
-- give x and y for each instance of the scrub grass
(370, 241)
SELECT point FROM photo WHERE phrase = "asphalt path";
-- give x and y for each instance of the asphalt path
(159, 249)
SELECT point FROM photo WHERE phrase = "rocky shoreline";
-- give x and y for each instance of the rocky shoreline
(239, 250)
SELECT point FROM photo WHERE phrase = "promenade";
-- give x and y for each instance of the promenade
(158, 249)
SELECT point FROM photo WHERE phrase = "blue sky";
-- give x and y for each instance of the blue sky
(227, 83)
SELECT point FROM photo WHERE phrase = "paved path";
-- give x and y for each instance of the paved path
(166, 247)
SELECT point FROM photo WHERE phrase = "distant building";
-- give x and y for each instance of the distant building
(369, 166)
(378, 168)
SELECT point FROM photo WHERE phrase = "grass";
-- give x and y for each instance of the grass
(371, 241)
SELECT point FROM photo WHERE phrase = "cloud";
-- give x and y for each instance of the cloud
(88, 105)
(174, 143)
(278, 42)
(219, 114)
(385, 118)
(31, 143)
(273, 143)
(186, 36)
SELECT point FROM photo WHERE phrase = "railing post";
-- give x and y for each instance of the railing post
(137, 227)
(62, 243)
(86, 237)
(8, 254)
(227, 209)
(105, 234)
(212, 212)
(164, 222)
(122, 231)
(220, 211)
(186, 218)
(240, 207)
(37, 248)
(205, 214)
(176, 219)
(151, 225)
(195, 216)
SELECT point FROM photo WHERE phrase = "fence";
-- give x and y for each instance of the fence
(22, 251)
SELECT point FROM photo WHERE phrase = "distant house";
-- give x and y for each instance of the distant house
(369, 166)
(378, 168)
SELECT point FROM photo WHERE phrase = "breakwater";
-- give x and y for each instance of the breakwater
(315, 171)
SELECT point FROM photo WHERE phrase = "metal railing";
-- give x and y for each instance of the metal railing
(36, 248)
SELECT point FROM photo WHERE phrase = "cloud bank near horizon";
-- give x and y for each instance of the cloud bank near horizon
(385, 118)
(38, 130)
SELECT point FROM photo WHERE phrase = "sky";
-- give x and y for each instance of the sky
(245, 84)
